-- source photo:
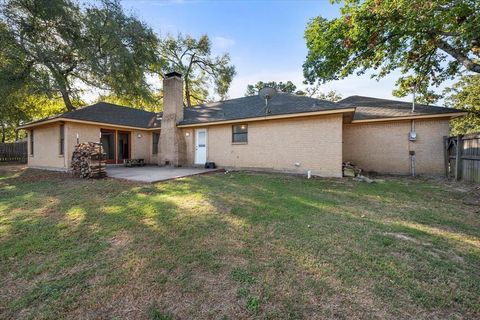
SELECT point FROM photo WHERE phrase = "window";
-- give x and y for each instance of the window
(156, 137)
(31, 142)
(240, 133)
(62, 139)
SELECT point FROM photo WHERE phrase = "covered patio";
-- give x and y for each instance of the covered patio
(151, 174)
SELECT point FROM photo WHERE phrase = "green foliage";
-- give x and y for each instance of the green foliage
(153, 104)
(331, 95)
(286, 87)
(253, 304)
(314, 92)
(193, 59)
(289, 87)
(465, 95)
(21, 105)
(428, 41)
(241, 275)
(156, 314)
(63, 48)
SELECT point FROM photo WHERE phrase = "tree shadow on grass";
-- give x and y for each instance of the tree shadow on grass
(397, 261)
(314, 248)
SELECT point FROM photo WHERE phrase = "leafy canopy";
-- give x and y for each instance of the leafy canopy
(193, 59)
(288, 87)
(65, 49)
(428, 41)
(21, 98)
(465, 95)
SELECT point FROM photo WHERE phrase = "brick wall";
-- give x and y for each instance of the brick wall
(314, 143)
(172, 141)
(47, 147)
(384, 147)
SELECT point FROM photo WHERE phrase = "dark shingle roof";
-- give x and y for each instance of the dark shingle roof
(113, 114)
(250, 107)
(110, 113)
(373, 108)
(253, 106)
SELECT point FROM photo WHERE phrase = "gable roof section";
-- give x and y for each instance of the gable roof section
(254, 107)
(107, 113)
(367, 108)
(113, 114)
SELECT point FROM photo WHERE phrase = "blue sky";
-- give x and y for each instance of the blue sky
(264, 38)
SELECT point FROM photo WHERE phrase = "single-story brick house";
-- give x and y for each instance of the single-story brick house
(292, 134)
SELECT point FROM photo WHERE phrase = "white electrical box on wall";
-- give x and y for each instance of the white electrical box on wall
(412, 136)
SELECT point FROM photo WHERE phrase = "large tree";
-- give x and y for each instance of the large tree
(201, 71)
(69, 48)
(428, 41)
(465, 95)
(286, 87)
(314, 91)
(22, 107)
(289, 87)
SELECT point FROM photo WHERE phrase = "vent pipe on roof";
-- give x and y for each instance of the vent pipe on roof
(413, 102)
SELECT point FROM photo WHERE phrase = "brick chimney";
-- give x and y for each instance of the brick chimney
(172, 143)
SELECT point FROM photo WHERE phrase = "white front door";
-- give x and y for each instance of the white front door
(201, 146)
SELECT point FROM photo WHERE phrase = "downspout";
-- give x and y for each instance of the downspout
(65, 147)
(410, 140)
(412, 152)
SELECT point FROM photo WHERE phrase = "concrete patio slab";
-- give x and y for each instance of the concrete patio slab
(152, 174)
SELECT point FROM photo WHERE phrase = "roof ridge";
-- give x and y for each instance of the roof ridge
(205, 105)
(391, 101)
(119, 106)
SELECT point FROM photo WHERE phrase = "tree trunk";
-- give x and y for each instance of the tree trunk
(66, 100)
(468, 63)
(3, 132)
(62, 82)
(187, 93)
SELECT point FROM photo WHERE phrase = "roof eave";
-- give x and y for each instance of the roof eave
(272, 117)
(451, 115)
(103, 124)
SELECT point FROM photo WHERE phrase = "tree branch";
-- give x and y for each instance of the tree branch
(468, 63)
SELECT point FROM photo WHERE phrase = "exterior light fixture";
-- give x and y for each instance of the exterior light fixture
(139, 136)
(187, 134)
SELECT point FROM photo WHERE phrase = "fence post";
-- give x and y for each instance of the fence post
(446, 155)
(458, 158)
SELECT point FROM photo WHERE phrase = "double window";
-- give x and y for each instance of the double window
(62, 140)
(240, 133)
(155, 139)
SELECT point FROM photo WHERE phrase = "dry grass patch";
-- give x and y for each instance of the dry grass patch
(238, 245)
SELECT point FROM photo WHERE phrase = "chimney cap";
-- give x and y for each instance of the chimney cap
(173, 74)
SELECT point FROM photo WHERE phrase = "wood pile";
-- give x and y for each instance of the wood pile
(89, 161)
(350, 170)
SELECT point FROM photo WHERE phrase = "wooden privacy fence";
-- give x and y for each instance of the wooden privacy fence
(13, 152)
(462, 157)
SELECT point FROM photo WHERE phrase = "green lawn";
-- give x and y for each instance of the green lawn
(238, 245)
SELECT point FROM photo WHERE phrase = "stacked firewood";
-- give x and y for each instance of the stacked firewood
(350, 170)
(89, 161)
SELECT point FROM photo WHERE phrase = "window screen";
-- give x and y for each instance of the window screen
(240, 133)
(31, 142)
(156, 137)
(62, 139)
